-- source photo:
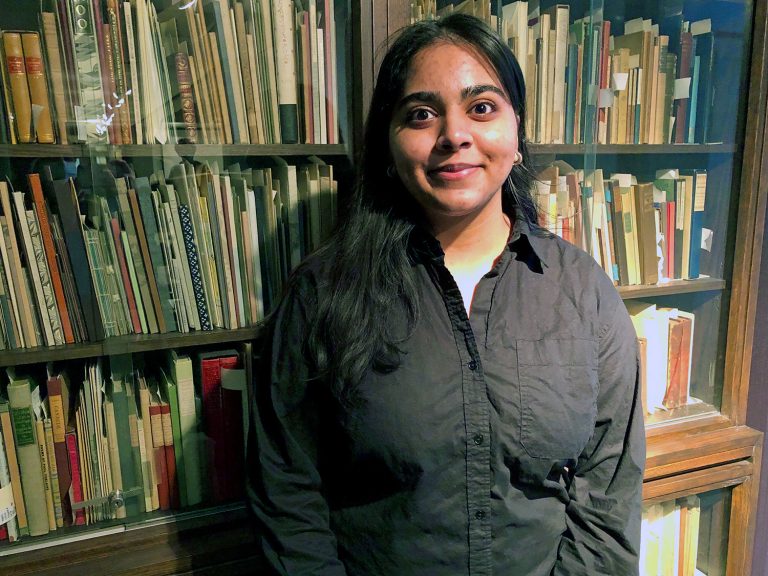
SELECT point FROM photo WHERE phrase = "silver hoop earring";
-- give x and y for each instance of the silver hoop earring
(391, 172)
(518, 158)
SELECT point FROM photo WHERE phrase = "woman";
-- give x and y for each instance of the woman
(446, 389)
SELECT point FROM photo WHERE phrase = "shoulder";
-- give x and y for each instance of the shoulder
(578, 274)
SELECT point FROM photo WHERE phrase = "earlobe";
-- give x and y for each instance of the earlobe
(518, 158)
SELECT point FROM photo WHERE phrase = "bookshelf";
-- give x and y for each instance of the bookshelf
(194, 153)
(696, 450)
(614, 106)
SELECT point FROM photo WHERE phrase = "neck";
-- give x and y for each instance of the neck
(469, 244)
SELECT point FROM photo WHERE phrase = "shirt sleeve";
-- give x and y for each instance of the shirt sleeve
(284, 487)
(604, 512)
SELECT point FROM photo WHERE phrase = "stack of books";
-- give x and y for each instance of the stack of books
(650, 83)
(164, 438)
(142, 72)
(197, 248)
(639, 232)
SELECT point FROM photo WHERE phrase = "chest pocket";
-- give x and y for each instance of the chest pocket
(558, 389)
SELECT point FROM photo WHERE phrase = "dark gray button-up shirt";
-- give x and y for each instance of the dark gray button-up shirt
(509, 442)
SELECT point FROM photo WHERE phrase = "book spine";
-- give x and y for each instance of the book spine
(58, 86)
(20, 402)
(69, 212)
(44, 275)
(19, 89)
(38, 88)
(86, 59)
(53, 469)
(42, 448)
(187, 97)
(41, 210)
(158, 442)
(158, 263)
(74, 466)
(194, 267)
(285, 57)
(118, 59)
(170, 455)
(8, 514)
(13, 468)
(152, 284)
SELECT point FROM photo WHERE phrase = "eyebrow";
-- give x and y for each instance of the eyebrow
(468, 92)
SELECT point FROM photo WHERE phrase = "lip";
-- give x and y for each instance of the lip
(453, 171)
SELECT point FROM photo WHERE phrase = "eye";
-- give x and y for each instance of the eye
(483, 108)
(418, 115)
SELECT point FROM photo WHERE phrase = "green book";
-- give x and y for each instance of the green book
(122, 427)
(20, 402)
(170, 390)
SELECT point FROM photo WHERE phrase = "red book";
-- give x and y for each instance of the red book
(74, 466)
(4, 532)
(58, 400)
(670, 255)
(170, 455)
(158, 442)
(219, 424)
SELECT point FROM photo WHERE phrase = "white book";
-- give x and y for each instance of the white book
(321, 85)
(283, 29)
(258, 285)
(18, 199)
(231, 318)
(234, 247)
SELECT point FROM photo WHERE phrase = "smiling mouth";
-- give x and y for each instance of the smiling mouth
(453, 171)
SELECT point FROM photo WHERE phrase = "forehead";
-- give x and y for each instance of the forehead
(450, 64)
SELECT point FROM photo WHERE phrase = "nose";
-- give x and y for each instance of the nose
(455, 133)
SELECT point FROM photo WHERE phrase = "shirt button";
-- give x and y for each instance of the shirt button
(480, 514)
(472, 365)
(478, 439)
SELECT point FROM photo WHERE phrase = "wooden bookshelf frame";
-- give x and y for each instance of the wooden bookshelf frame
(160, 150)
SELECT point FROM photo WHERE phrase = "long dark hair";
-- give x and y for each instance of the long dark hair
(371, 276)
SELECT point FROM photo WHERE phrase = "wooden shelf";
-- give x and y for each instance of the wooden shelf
(618, 149)
(231, 150)
(124, 345)
(672, 287)
(156, 150)
(40, 150)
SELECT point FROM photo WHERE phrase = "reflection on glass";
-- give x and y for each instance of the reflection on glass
(687, 536)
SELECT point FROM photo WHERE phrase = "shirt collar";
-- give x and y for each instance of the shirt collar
(524, 241)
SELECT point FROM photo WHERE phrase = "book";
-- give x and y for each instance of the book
(69, 214)
(20, 403)
(58, 402)
(42, 448)
(285, 65)
(77, 485)
(90, 112)
(15, 77)
(40, 101)
(6, 427)
(158, 451)
(179, 370)
(8, 515)
(221, 418)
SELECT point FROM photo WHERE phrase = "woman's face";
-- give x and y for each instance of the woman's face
(453, 135)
